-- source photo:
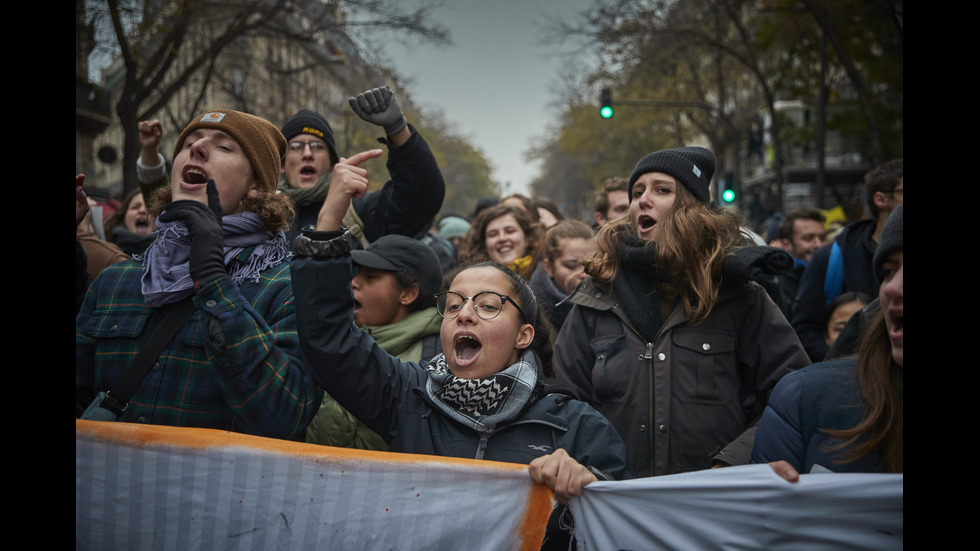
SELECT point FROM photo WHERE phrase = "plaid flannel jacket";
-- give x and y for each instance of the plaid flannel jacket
(253, 380)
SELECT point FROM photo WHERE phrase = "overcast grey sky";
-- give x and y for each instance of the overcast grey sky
(494, 83)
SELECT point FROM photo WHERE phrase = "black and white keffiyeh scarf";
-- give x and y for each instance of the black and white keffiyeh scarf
(482, 404)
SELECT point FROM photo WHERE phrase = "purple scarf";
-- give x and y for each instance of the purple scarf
(166, 263)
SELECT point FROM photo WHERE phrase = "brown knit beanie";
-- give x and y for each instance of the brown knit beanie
(260, 140)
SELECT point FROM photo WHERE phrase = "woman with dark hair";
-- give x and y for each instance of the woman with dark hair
(670, 338)
(839, 312)
(504, 234)
(486, 396)
(846, 415)
(131, 227)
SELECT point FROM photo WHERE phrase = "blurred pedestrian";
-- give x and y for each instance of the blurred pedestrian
(503, 234)
(845, 264)
(558, 270)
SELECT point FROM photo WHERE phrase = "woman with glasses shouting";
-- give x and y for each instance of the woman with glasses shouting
(485, 397)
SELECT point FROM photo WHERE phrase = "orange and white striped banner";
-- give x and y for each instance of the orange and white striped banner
(154, 487)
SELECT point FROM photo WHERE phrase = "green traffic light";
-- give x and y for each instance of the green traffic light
(728, 195)
(606, 112)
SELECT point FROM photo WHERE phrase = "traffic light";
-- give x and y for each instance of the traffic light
(605, 99)
(727, 184)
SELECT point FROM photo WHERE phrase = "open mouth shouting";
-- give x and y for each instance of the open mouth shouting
(896, 324)
(193, 178)
(645, 225)
(466, 348)
(142, 225)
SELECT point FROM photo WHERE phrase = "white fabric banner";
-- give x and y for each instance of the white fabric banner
(742, 508)
(150, 487)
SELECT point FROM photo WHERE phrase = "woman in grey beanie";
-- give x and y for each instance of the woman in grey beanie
(670, 338)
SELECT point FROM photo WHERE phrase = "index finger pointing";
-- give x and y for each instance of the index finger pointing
(361, 157)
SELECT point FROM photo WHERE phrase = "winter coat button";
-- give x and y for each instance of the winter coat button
(662, 428)
(661, 356)
(156, 366)
(643, 428)
(211, 303)
(706, 347)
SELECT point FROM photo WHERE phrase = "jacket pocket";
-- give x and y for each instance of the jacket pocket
(611, 373)
(112, 325)
(704, 366)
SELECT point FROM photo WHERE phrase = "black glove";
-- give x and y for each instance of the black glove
(207, 262)
(378, 106)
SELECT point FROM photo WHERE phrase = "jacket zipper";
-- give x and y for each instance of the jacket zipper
(481, 446)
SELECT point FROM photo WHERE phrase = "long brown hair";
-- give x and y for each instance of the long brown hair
(691, 248)
(881, 381)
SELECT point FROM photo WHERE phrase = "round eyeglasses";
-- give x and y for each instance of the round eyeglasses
(487, 304)
(316, 147)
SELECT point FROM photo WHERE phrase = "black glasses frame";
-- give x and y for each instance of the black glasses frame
(504, 299)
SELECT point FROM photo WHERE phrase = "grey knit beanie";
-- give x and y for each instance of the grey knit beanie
(892, 236)
(691, 166)
(314, 124)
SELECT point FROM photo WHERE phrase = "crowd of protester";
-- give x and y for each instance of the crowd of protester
(301, 306)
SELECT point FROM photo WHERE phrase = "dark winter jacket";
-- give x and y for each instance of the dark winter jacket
(692, 395)
(406, 205)
(802, 406)
(389, 395)
(858, 251)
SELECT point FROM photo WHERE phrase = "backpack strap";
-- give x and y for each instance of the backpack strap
(354, 223)
(833, 282)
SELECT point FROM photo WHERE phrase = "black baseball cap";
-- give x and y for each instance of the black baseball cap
(396, 252)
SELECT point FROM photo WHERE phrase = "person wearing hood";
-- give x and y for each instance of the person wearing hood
(406, 205)
(670, 337)
(486, 396)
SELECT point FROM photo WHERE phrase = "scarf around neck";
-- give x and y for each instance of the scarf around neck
(482, 404)
(166, 263)
(520, 265)
(638, 284)
(131, 243)
(299, 196)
